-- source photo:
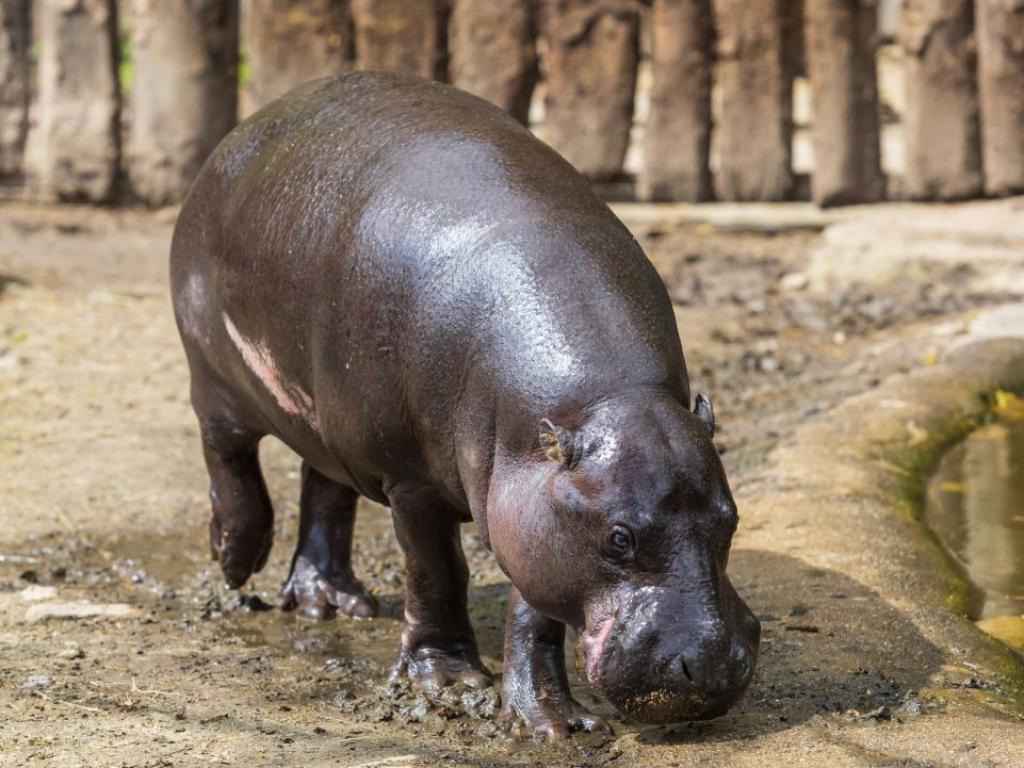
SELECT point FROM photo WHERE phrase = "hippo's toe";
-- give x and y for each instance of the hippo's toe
(318, 597)
(431, 669)
(550, 718)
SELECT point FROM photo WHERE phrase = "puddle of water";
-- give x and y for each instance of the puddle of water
(975, 505)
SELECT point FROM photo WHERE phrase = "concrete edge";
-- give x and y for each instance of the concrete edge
(855, 477)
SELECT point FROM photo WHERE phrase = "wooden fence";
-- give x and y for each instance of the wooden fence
(121, 101)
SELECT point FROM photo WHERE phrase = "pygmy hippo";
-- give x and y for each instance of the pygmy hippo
(432, 309)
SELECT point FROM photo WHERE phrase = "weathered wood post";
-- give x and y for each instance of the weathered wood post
(399, 35)
(492, 52)
(590, 77)
(840, 46)
(15, 73)
(678, 136)
(288, 42)
(1000, 32)
(941, 125)
(755, 124)
(185, 91)
(79, 100)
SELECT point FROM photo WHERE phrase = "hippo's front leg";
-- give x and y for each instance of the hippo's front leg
(438, 645)
(535, 686)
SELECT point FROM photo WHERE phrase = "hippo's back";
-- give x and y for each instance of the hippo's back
(361, 256)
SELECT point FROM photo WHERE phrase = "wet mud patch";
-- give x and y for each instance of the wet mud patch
(228, 657)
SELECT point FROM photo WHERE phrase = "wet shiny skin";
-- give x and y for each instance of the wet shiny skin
(427, 284)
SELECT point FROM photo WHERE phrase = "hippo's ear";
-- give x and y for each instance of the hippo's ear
(558, 444)
(704, 411)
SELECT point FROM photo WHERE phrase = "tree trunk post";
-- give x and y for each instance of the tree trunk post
(590, 71)
(840, 37)
(678, 137)
(15, 78)
(755, 124)
(1000, 25)
(185, 91)
(398, 35)
(492, 52)
(289, 42)
(941, 125)
(79, 101)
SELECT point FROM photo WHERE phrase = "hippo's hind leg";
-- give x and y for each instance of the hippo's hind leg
(241, 516)
(321, 583)
(535, 687)
(438, 645)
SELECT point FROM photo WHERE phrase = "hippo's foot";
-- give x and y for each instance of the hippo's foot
(241, 551)
(535, 686)
(318, 597)
(430, 668)
(549, 714)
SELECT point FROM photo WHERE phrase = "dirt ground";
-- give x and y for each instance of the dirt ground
(103, 500)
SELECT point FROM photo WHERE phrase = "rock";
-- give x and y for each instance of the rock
(37, 592)
(879, 713)
(79, 610)
(1007, 629)
(36, 681)
(911, 707)
(794, 281)
(1003, 322)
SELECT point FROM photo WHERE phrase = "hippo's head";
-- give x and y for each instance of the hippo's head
(623, 531)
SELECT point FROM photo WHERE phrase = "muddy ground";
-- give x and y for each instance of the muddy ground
(103, 499)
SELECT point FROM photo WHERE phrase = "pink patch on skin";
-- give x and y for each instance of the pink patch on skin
(593, 645)
(292, 399)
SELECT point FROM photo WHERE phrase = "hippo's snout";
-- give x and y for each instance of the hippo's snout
(662, 663)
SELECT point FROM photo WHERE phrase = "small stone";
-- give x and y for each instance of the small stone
(794, 281)
(911, 707)
(37, 592)
(879, 713)
(36, 681)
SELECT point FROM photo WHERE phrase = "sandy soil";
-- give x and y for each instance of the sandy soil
(102, 499)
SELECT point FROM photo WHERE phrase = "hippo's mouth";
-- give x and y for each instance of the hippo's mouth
(594, 640)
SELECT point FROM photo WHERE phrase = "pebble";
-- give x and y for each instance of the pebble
(37, 592)
(36, 681)
(794, 281)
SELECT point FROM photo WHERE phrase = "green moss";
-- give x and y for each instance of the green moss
(125, 65)
(243, 68)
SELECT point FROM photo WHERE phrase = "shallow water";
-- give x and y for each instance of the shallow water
(975, 505)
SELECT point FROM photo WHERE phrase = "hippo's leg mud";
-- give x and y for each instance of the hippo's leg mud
(321, 584)
(535, 690)
(438, 644)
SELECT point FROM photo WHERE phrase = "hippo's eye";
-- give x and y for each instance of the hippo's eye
(620, 542)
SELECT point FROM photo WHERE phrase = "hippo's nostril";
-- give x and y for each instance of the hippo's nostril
(743, 666)
(684, 669)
